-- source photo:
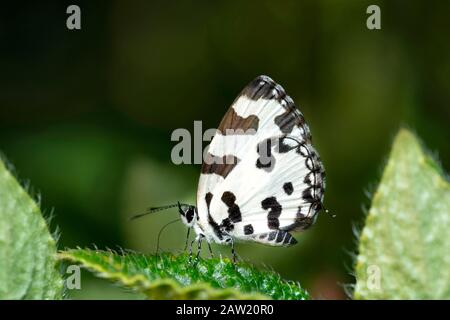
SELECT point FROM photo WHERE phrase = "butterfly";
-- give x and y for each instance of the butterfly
(261, 178)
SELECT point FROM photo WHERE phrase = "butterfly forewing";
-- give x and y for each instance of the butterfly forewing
(261, 177)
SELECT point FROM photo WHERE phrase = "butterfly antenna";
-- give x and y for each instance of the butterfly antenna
(156, 209)
(160, 232)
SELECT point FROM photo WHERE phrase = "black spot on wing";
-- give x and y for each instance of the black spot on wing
(248, 229)
(288, 188)
(234, 213)
(272, 236)
(289, 240)
(275, 209)
(307, 179)
(285, 144)
(288, 120)
(279, 238)
(307, 195)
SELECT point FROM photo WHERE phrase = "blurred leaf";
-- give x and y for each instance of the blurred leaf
(27, 250)
(404, 247)
(166, 276)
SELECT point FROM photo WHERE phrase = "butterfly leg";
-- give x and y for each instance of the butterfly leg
(187, 239)
(199, 246)
(233, 252)
(210, 250)
(190, 249)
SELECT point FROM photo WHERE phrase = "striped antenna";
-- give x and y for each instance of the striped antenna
(156, 209)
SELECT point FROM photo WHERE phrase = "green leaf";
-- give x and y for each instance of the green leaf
(167, 276)
(404, 247)
(27, 250)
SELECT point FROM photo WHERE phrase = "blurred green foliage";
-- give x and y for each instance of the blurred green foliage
(87, 115)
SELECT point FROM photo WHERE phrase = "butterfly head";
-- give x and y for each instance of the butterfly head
(188, 214)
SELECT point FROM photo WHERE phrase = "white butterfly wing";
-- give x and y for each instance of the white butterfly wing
(270, 180)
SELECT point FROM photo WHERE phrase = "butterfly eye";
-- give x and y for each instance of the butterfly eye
(189, 214)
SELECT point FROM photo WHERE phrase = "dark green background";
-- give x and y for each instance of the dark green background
(87, 115)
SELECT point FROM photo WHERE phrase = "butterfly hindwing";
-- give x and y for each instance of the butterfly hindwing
(261, 177)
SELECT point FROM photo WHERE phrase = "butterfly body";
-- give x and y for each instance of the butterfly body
(261, 177)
